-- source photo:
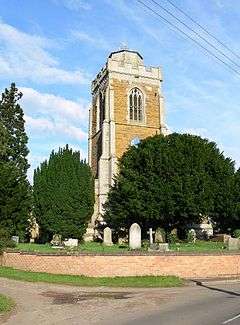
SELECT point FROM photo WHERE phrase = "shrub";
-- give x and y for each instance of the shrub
(172, 238)
(236, 233)
(145, 244)
(5, 240)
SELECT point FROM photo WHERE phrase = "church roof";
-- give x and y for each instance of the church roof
(125, 50)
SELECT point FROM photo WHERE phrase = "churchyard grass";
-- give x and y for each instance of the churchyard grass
(199, 246)
(6, 304)
(41, 248)
(84, 247)
(130, 281)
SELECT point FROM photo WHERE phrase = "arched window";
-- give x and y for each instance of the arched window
(101, 108)
(136, 105)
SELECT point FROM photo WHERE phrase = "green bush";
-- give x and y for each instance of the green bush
(145, 244)
(5, 240)
(236, 233)
(172, 238)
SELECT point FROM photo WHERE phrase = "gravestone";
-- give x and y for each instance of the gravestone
(163, 247)
(192, 236)
(71, 242)
(159, 236)
(122, 241)
(15, 239)
(233, 244)
(135, 236)
(221, 238)
(107, 236)
(204, 229)
(151, 232)
(56, 240)
(160, 247)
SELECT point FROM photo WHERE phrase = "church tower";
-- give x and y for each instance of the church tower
(127, 106)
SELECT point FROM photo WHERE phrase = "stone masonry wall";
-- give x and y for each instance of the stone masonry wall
(126, 131)
(183, 265)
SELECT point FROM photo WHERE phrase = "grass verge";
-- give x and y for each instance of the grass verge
(6, 304)
(77, 280)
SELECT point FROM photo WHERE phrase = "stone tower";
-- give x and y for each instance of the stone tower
(127, 106)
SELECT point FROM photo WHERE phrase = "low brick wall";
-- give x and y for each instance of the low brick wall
(96, 265)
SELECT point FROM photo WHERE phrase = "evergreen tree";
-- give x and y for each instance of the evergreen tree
(63, 195)
(170, 182)
(236, 193)
(12, 117)
(15, 198)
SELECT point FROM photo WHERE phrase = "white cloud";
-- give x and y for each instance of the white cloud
(52, 105)
(197, 131)
(27, 57)
(40, 124)
(96, 41)
(47, 113)
(74, 5)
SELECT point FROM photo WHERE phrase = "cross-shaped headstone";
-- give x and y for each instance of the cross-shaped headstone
(151, 232)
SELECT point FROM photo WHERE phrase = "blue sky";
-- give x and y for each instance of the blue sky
(52, 49)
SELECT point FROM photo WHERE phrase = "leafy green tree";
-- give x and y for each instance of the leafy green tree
(236, 193)
(63, 195)
(170, 182)
(15, 195)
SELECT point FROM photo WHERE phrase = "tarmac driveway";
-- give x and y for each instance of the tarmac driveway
(40, 303)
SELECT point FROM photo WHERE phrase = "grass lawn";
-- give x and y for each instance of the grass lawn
(6, 304)
(84, 247)
(199, 246)
(131, 281)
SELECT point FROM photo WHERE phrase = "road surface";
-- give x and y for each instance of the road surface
(207, 304)
(49, 304)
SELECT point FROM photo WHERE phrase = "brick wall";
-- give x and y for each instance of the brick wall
(183, 265)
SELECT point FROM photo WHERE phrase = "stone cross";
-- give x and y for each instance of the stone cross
(107, 236)
(151, 232)
(135, 236)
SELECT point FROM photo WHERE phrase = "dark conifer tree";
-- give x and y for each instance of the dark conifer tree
(171, 181)
(15, 198)
(63, 195)
(236, 221)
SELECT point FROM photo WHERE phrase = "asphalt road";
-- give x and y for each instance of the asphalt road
(207, 304)
(49, 304)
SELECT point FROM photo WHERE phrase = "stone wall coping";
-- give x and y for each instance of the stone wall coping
(129, 253)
